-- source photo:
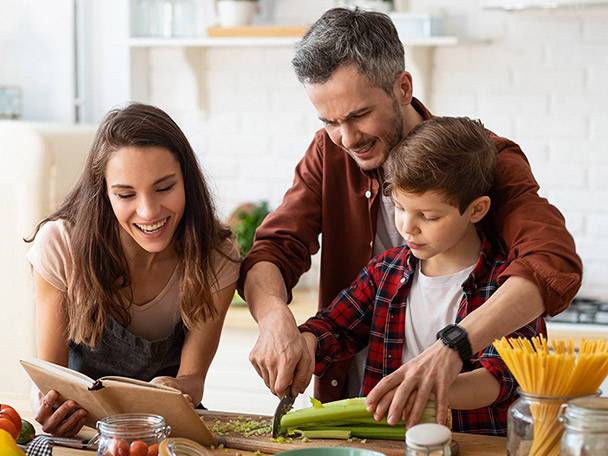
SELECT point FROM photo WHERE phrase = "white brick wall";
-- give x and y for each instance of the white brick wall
(538, 77)
(551, 99)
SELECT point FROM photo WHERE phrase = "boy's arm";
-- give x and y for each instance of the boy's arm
(492, 363)
(343, 328)
(473, 390)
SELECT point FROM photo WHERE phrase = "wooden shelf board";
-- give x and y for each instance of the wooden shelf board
(263, 42)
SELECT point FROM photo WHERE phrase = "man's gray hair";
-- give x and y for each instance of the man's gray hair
(340, 37)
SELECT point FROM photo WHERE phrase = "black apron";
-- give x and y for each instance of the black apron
(121, 353)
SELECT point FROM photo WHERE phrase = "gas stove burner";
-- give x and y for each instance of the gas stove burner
(584, 310)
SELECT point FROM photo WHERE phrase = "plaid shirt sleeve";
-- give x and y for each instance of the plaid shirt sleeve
(343, 328)
(491, 360)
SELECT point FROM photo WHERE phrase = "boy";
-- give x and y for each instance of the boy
(438, 178)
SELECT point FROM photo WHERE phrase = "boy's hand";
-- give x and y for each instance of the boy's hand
(405, 392)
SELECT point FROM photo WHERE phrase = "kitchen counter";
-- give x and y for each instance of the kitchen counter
(470, 445)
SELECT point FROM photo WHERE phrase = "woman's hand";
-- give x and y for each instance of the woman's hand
(63, 420)
(405, 392)
(173, 383)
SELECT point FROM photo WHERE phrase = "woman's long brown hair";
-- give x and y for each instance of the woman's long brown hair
(100, 267)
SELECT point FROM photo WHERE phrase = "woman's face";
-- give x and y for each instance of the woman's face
(146, 189)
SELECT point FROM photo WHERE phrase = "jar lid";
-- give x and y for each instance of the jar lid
(591, 404)
(427, 434)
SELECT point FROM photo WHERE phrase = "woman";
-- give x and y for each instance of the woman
(133, 273)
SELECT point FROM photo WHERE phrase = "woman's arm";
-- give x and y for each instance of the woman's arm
(199, 349)
(52, 345)
(473, 390)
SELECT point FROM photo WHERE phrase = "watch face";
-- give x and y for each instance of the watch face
(452, 334)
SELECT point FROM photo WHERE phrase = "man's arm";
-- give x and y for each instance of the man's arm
(279, 355)
(540, 249)
(281, 253)
(514, 304)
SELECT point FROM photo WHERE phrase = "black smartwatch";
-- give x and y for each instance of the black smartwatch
(456, 338)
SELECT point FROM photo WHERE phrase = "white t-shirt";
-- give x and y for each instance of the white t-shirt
(51, 256)
(431, 305)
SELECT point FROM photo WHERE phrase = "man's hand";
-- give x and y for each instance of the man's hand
(280, 355)
(405, 392)
(62, 420)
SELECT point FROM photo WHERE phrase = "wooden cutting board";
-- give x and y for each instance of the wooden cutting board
(265, 444)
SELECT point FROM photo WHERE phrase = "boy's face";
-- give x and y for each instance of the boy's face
(432, 227)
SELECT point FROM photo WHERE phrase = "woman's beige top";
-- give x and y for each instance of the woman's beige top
(51, 257)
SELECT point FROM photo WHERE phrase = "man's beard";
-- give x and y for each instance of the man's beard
(398, 130)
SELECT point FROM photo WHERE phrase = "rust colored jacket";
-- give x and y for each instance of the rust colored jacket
(331, 196)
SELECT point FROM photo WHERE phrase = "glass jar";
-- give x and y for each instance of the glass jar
(586, 423)
(428, 439)
(136, 434)
(533, 424)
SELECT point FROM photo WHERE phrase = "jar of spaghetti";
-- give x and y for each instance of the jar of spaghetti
(586, 423)
(137, 434)
(533, 425)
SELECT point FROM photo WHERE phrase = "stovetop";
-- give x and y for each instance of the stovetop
(584, 310)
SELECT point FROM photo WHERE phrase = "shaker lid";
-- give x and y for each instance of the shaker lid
(427, 434)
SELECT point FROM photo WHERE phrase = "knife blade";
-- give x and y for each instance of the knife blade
(285, 405)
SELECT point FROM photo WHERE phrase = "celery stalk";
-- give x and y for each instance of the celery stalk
(331, 433)
(347, 415)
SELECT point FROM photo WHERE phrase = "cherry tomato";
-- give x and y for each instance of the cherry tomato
(138, 448)
(10, 412)
(7, 424)
(153, 450)
(120, 447)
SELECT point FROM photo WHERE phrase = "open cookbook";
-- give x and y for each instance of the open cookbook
(113, 395)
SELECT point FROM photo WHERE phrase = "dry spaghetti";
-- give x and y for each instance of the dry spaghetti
(553, 370)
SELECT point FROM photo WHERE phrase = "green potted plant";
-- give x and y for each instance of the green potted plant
(244, 221)
(232, 13)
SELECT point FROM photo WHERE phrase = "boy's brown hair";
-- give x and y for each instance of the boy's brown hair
(453, 156)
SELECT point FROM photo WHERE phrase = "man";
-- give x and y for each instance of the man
(352, 66)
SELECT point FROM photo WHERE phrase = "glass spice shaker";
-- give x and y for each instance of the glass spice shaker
(428, 439)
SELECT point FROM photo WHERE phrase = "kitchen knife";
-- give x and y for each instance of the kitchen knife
(285, 405)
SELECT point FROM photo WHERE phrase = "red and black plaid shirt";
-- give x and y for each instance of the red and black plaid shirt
(372, 312)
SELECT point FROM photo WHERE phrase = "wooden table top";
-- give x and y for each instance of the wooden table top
(470, 445)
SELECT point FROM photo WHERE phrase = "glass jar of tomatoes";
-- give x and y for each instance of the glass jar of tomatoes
(136, 434)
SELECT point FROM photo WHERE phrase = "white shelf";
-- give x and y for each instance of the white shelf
(263, 42)
(522, 5)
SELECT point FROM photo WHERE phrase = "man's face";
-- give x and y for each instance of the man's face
(361, 119)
